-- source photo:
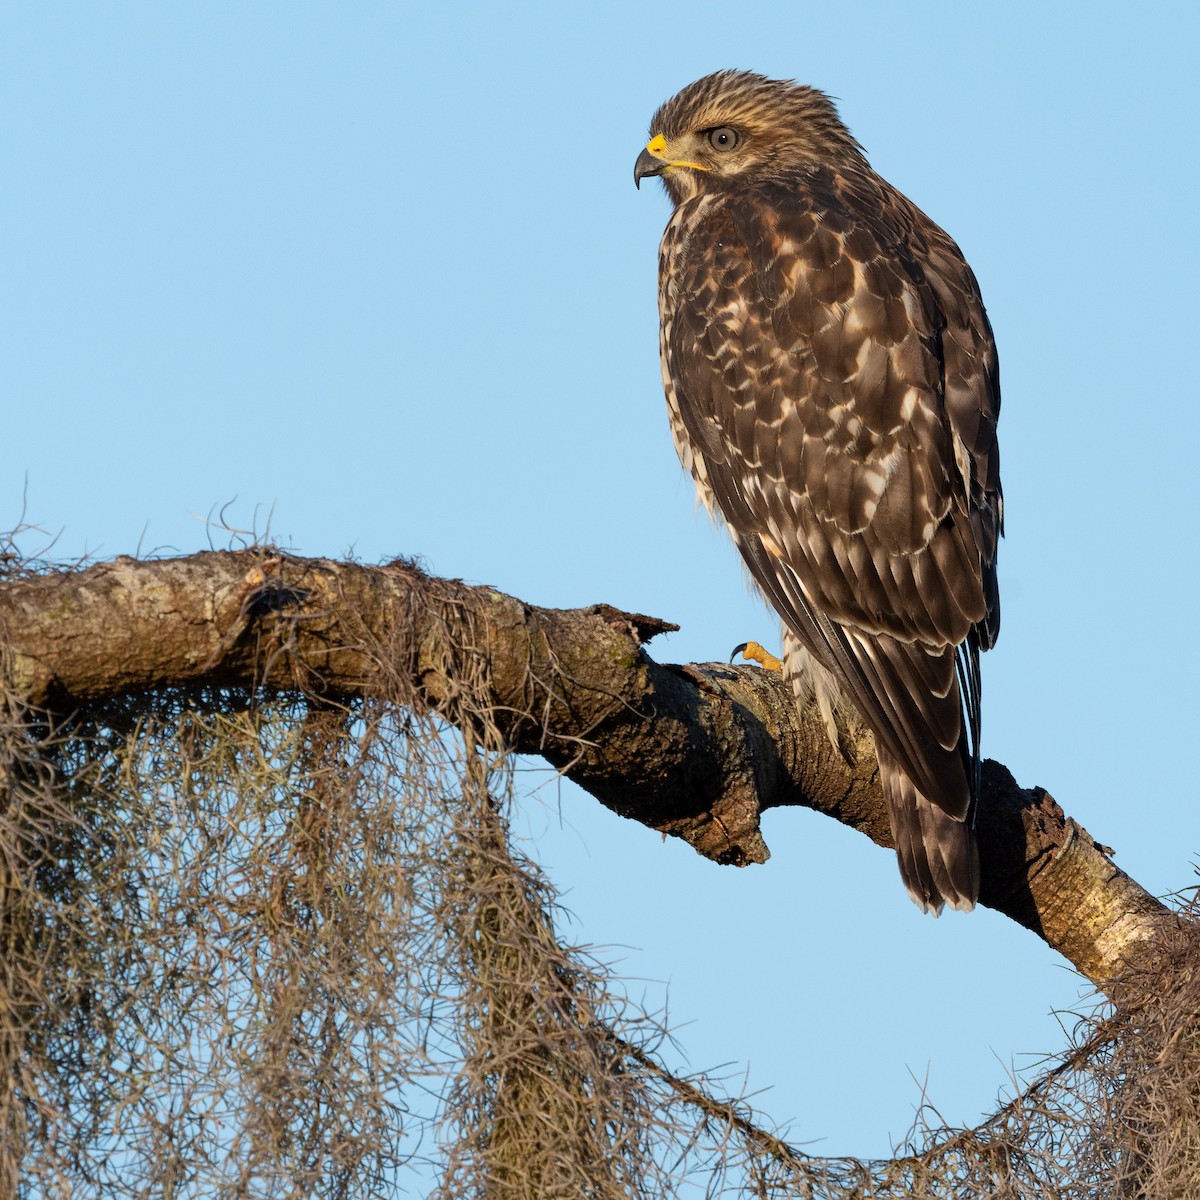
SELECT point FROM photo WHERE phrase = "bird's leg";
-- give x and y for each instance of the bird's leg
(753, 652)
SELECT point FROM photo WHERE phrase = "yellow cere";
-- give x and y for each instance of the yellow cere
(657, 146)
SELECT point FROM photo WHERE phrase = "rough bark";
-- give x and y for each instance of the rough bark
(695, 751)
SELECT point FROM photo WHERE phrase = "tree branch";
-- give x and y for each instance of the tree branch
(696, 751)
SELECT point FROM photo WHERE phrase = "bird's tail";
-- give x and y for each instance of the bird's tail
(938, 854)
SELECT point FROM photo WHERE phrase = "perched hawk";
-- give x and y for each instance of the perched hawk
(833, 387)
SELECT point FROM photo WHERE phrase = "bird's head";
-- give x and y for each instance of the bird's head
(735, 127)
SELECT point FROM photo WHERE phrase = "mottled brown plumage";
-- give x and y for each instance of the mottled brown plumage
(833, 387)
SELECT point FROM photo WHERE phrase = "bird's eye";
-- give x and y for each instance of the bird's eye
(723, 138)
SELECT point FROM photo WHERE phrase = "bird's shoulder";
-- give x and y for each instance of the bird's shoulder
(802, 291)
(825, 231)
(829, 352)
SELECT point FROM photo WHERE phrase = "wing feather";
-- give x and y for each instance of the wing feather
(832, 371)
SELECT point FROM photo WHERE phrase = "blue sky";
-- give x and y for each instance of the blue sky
(377, 274)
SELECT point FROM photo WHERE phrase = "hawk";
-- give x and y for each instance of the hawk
(833, 388)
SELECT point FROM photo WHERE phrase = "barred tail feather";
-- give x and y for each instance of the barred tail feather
(937, 853)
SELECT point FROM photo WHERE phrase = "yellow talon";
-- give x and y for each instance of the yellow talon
(753, 652)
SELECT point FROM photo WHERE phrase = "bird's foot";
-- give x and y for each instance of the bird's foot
(753, 652)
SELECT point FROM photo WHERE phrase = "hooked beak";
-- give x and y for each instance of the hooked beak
(656, 160)
(648, 164)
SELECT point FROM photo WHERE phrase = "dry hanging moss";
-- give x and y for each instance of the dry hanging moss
(262, 944)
